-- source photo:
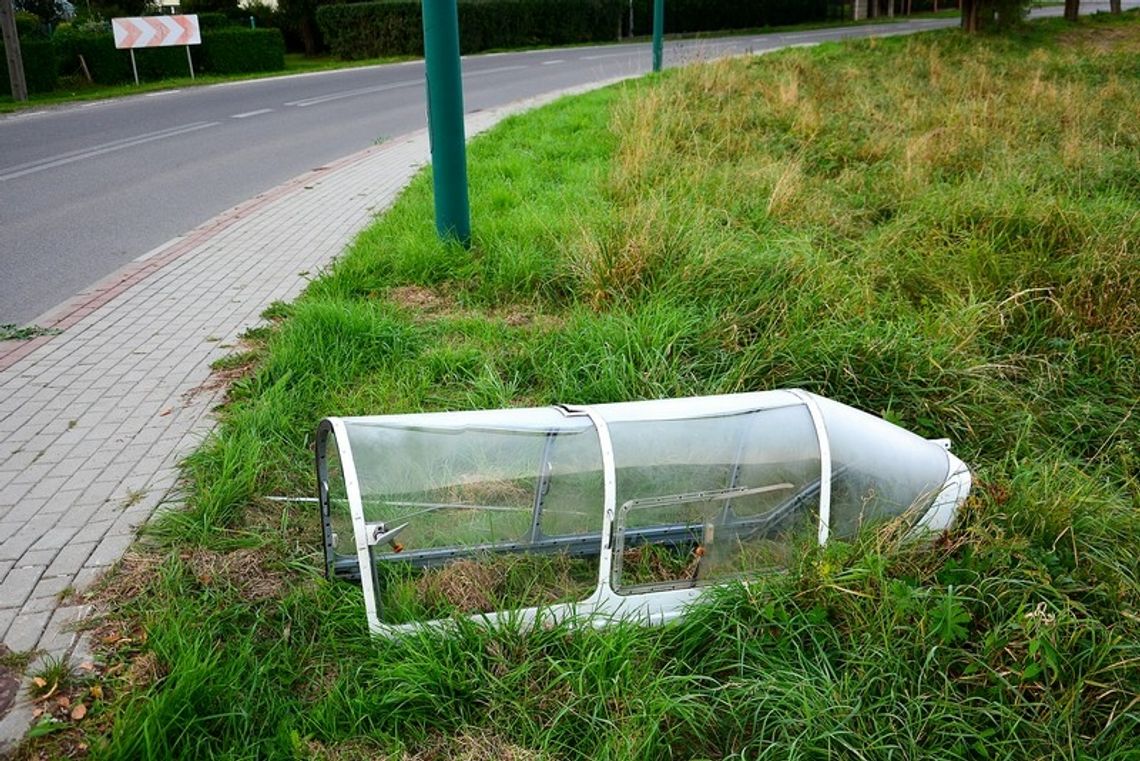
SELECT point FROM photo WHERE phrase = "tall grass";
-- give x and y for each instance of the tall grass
(938, 229)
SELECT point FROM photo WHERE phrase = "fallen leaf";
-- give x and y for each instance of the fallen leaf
(78, 712)
(37, 713)
(64, 701)
(81, 746)
(87, 665)
(97, 692)
(165, 412)
(39, 681)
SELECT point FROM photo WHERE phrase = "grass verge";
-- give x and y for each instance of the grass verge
(938, 229)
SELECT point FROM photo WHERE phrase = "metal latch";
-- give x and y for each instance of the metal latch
(379, 533)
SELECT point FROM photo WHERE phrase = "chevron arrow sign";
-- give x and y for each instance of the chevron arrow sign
(156, 31)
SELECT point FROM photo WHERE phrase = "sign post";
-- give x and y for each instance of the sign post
(156, 32)
(445, 120)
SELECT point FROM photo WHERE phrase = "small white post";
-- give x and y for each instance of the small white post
(134, 67)
(190, 61)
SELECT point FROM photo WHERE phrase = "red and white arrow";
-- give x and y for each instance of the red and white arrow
(156, 31)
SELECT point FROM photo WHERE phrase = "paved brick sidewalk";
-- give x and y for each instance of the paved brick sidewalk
(94, 421)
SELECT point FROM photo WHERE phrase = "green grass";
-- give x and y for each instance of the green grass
(938, 229)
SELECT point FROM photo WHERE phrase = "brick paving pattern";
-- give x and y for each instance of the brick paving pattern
(95, 420)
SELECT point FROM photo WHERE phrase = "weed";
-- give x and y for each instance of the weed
(12, 332)
(134, 496)
(53, 675)
(15, 660)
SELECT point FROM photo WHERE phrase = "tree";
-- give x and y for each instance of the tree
(300, 16)
(108, 9)
(48, 11)
(208, 6)
(1114, 6)
(1072, 9)
(978, 15)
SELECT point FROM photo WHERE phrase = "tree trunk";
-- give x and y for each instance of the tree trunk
(969, 15)
(309, 36)
(1072, 9)
(1114, 6)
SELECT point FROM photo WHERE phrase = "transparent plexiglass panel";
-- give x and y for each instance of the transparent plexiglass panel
(490, 511)
(879, 471)
(708, 498)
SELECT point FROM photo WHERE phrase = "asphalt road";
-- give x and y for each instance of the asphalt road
(86, 188)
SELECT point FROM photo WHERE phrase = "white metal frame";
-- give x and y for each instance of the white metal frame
(604, 604)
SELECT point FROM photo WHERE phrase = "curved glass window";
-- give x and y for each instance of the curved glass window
(704, 499)
(879, 471)
(480, 512)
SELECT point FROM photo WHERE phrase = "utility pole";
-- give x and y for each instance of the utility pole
(12, 51)
(658, 33)
(445, 120)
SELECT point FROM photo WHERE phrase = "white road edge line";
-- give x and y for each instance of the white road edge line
(160, 92)
(89, 154)
(496, 70)
(248, 114)
(611, 55)
(67, 154)
(556, 60)
(305, 102)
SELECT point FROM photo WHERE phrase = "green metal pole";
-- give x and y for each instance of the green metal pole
(658, 32)
(445, 120)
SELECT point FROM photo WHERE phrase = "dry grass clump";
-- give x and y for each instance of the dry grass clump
(132, 575)
(468, 586)
(248, 571)
(424, 301)
(474, 745)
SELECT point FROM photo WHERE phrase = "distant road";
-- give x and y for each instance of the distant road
(86, 188)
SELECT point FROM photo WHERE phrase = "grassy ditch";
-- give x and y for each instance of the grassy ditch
(938, 229)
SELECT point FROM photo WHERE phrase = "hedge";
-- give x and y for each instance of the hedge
(711, 15)
(109, 66)
(395, 27)
(223, 51)
(39, 66)
(240, 51)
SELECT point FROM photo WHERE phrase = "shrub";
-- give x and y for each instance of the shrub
(214, 20)
(230, 50)
(264, 15)
(39, 66)
(238, 51)
(109, 65)
(369, 30)
(709, 15)
(28, 25)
